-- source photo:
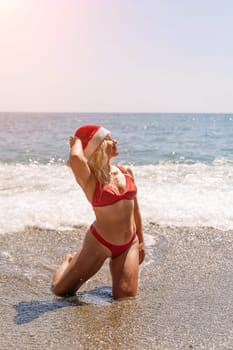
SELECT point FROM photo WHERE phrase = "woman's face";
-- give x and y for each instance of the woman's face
(111, 146)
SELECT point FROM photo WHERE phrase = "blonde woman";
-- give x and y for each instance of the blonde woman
(116, 232)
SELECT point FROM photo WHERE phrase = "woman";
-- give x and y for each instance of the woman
(117, 231)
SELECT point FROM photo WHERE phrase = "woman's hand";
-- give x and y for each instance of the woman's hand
(142, 252)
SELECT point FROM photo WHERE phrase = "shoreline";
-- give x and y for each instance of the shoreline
(184, 299)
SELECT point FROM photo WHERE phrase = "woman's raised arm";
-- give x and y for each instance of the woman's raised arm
(78, 162)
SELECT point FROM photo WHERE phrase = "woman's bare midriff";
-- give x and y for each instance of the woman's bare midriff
(115, 223)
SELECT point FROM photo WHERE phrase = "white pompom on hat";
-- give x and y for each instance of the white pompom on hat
(91, 137)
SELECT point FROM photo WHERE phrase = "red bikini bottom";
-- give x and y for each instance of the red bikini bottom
(115, 249)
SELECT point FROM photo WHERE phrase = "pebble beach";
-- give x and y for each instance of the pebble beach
(184, 299)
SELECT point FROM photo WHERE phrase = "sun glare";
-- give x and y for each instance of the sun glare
(7, 3)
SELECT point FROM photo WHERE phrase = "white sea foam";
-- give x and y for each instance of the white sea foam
(47, 196)
(42, 196)
(187, 194)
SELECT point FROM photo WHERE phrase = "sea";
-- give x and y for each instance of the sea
(183, 165)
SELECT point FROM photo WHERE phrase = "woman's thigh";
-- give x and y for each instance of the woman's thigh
(124, 269)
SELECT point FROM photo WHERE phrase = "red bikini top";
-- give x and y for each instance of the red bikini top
(108, 194)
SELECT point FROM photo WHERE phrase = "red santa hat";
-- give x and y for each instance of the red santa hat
(91, 137)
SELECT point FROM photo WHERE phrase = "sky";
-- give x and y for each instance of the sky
(139, 56)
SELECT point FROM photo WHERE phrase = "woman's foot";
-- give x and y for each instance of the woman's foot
(67, 259)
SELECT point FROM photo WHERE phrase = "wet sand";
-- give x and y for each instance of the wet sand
(185, 294)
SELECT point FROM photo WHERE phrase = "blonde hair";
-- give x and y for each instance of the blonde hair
(99, 164)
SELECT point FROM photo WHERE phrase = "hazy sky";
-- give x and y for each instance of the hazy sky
(116, 55)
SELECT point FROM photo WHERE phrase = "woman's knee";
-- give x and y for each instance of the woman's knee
(125, 290)
(56, 289)
(60, 291)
